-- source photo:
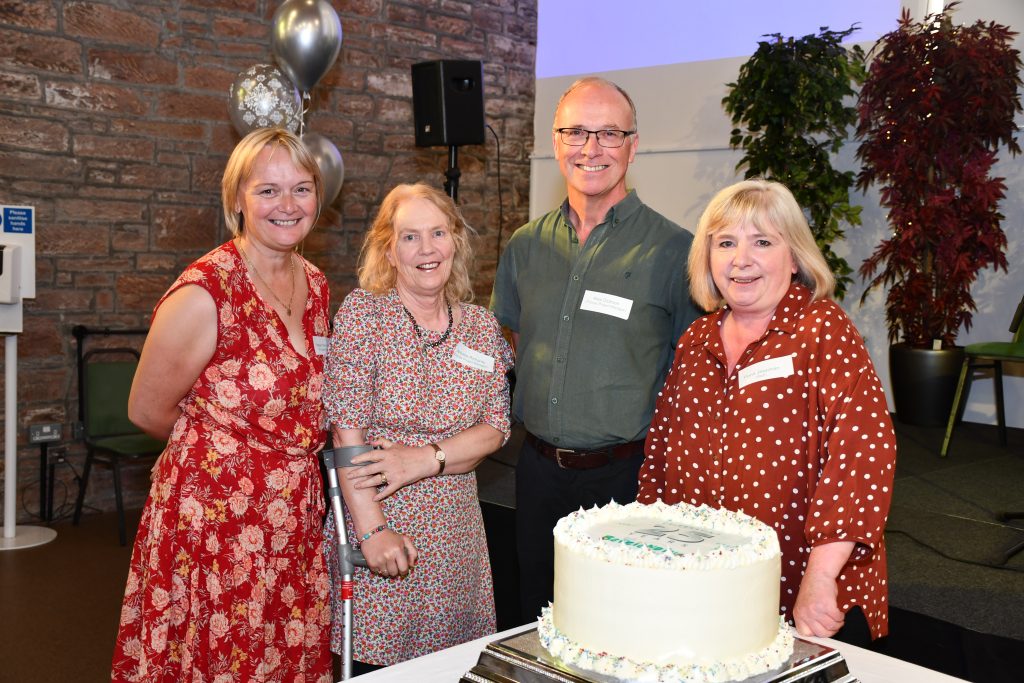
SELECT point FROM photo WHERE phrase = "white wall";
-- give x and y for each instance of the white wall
(683, 159)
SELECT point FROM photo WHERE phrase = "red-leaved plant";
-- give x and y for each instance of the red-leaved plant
(938, 102)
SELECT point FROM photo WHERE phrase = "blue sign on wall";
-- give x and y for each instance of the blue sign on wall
(18, 219)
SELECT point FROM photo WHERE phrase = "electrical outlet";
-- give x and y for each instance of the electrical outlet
(44, 433)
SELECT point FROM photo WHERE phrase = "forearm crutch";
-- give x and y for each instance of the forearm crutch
(348, 556)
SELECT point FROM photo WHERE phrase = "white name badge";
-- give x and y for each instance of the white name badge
(472, 358)
(320, 344)
(609, 304)
(766, 369)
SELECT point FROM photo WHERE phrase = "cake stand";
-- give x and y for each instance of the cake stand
(522, 659)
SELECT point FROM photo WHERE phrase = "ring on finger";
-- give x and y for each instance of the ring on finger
(383, 479)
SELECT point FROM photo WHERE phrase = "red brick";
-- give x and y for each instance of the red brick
(72, 238)
(94, 97)
(20, 86)
(396, 84)
(161, 130)
(210, 78)
(40, 338)
(447, 24)
(248, 6)
(132, 67)
(156, 262)
(106, 147)
(96, 210)
(95, 20)
(365, 8)
(31, 14)
(156, 176)
(185, 227)
(46, 385)
(137, 292)
(53, 299)
(44, 53)
(238, 27)
(33, 134)
(181, 105)
(395, 111)
(403, 14)
(399, 35)
(39, 167)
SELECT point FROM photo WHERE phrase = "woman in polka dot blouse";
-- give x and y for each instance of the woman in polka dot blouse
(773, 408)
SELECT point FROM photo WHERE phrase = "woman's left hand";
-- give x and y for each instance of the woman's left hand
(817, 612)
(390, 467)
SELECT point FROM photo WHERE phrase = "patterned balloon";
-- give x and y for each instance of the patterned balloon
(332, 168)
(262, 97)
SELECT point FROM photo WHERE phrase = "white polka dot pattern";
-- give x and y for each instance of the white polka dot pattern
(811, 454)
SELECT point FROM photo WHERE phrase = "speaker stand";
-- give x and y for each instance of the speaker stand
(451, 183)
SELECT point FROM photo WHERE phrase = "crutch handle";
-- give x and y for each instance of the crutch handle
(342, 455)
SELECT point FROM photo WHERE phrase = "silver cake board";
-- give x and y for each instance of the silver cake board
(522, 659)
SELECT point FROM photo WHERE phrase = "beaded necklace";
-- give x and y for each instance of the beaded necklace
(419, 332)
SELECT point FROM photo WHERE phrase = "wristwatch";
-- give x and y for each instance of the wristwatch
(439, 456)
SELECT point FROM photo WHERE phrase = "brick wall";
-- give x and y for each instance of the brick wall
(114, 125)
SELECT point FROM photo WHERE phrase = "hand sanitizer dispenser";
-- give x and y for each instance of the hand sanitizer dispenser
(10, 273)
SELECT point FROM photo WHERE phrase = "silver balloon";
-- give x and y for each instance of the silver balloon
(305, 39)
(332, 168)
(261, 97)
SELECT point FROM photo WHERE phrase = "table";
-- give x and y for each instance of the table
(448, 665)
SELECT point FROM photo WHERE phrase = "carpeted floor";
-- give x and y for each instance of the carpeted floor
(956, 608)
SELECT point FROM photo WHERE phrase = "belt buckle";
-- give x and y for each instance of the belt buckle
(559, 452)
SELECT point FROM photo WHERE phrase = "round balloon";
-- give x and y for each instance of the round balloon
(305, 39)
(332, 168)
(261, 97)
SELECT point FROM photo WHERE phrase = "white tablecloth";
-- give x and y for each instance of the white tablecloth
(448, 665)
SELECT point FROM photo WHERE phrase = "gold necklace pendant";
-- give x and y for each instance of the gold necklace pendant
(291, 276)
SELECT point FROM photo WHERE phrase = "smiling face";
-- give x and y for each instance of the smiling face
(751, 267)
(277, 201)
(424, 249)
(592, 171)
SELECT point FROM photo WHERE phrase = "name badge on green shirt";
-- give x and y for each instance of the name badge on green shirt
(609, 304)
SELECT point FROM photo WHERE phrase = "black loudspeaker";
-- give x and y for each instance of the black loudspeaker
(448, 102)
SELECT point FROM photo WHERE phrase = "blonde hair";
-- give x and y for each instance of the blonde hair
(764, 204)
(377, 275)
(597, 80)
(243, 158)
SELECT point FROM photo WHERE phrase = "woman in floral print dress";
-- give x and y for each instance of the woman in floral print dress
(419, 373)
(227, 579)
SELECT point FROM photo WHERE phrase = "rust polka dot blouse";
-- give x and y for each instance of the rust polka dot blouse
(799, 436)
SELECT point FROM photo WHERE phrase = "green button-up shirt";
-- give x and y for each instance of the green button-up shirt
(589, 378)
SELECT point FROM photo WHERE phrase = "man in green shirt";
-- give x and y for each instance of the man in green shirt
(596, 295)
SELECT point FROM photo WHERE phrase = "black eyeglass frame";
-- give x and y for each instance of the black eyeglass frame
(625, 134)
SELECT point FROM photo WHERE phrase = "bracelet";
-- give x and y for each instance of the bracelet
(371, 532)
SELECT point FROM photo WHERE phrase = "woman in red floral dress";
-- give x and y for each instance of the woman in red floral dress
(227, 580)
(418, 372)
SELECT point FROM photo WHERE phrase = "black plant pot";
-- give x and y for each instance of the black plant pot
(924, 383)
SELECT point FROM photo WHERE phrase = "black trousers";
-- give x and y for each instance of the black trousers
(544, 494)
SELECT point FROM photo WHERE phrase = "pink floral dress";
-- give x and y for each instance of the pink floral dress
(381, 378)
(227, 580)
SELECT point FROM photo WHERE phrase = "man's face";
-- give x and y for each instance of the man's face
(592, 170)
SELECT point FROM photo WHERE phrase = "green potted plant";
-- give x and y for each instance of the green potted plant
(791, 100)
(938, 103)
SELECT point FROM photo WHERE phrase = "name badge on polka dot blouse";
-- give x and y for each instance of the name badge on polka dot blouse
(772, 368)
(472, 358)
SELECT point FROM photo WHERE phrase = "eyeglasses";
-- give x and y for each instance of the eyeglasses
(577, 137)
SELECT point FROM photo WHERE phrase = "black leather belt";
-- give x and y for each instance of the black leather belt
(573, 459)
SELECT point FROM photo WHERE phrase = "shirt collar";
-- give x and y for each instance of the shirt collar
(784, 320)
(626, 207)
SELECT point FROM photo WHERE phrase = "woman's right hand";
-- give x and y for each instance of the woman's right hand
(389, 553)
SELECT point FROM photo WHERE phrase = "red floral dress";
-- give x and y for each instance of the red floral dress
(382, 379)
(227, 580)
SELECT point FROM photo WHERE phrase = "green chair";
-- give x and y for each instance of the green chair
(987, 355)
(105, 379)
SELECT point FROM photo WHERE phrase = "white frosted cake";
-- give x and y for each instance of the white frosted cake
(666, 593)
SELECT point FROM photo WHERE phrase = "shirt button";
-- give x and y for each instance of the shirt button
(556, 439)
(565, 318)
(575, 277)
(554, 401)
(559, 359)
